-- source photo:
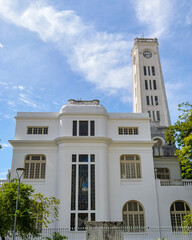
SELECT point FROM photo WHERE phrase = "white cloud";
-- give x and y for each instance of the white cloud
(101, 58)
(188, 18)
(7, 116)
(1, 45)
(18, 87)
(157, 14)
(5, 145)
(26, 100)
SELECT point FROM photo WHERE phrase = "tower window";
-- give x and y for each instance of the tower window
(92, 128)
(154, 85)
(37, 130)
(149, 71)
(156, 100)
(145, 70)
(84, 128)
(146, 85)
(151, 100)
(153, 116)
(153, 70)
(147, 98)
(150, 84)
(158, 116)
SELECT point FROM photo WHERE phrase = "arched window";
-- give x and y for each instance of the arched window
(133, 216)
(130, 166)
(35, 166)
(159, 142)
(178, 210)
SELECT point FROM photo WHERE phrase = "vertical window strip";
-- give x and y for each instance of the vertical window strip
(150, 84)
(146, 85)
(153, 70)
(92, 128)
(74, 128)
(154, 85)
(147, 99)
(149, 70)
(144, 70)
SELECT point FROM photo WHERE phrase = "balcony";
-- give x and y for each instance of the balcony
(176, 182)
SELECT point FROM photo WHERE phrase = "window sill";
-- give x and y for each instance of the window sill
(132, 181)
(34, 181)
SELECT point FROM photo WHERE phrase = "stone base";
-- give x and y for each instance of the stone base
(104, 231)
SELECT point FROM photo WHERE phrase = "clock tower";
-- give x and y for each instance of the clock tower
(149, 94)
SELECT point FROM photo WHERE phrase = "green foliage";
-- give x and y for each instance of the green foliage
(181, 134)
(187, 223)
(56, 236)
(31, 207)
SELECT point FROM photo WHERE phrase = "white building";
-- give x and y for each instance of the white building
(101, 165)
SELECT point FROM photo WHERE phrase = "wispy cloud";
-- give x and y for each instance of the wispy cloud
(5, 145)
(1, 45)
(101, 58)
(27, 100)
(157, 14)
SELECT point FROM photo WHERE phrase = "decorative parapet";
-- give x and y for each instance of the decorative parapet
(176, 182)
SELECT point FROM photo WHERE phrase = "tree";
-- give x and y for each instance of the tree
(181, 134)
(32, 206)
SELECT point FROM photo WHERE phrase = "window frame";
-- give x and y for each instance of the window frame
(32, 169)
(44, 130)
(139, 212)
(130, 170)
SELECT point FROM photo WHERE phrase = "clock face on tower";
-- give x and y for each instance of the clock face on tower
(147, 54)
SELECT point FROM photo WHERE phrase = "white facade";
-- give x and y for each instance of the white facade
(96, 162)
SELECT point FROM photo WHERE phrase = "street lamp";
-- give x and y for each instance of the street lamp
(19, 172)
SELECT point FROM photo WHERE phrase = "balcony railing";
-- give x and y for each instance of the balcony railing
(176, 182)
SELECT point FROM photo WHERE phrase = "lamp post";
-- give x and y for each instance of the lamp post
(19, 172)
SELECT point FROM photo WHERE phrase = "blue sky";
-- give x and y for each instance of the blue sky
(54, 50)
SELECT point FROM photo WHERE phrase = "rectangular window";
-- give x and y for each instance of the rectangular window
(151, 100)
(153, 116)
(150, 84)
(153, 70)
(149, 113)
(83, 128)
(82, 190)
(146, 85)
(147, 98)
(156, 100)
(37, 130)
(145, 70)
(74, 128)
(154, 85)
(149, 71)
(92, 128)
(158, 116)
(73, 187)
(128, 131)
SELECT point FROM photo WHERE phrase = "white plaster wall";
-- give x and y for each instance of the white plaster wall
(142, 190)
(169, 194)
(45, 186)
(143, 127)
(22, 124)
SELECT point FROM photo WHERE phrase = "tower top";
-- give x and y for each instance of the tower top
(147, 40)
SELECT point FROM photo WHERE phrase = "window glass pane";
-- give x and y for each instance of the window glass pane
(72, 221)
(83, 187)
(147, 98)
(92, 187)
(39, 130)
(156, 100)
(92, 158)
(34, 157)
(179, 206)
(149, 71)
(150, 84)
(154, 85)
(37, 170)
(153, 70)
(146, 85)
(82, 218)
(29, 131)
(92, 216)
(43, 170)
(158, 116)
(83, 128)
(34, 130)
(144, 70)
(83, 158)
(45, 130)
(26, 172)
(32, 170)
(151, 100)
(74, 158)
